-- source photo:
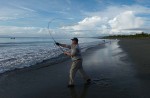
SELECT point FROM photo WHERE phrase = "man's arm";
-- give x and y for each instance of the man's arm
(72, 53)
(63, 45)
(69, 54)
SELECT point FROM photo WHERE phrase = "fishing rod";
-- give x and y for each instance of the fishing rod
(51, 33)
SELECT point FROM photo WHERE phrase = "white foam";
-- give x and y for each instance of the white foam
(20, 56)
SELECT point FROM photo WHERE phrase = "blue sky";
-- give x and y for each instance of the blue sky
(100, 17)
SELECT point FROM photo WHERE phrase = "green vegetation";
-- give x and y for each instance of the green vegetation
(138, 35)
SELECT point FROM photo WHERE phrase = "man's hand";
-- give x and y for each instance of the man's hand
(57, 43)
(67, 53)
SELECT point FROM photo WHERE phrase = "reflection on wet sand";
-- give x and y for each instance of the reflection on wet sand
(82, 94)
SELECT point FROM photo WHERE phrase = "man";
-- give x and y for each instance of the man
(76, 57)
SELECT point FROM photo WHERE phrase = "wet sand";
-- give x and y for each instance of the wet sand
(138, 51)
(112, 71)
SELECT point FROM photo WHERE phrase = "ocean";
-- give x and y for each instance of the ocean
(24, 52)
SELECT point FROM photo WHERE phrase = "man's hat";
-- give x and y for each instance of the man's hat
(75, 39)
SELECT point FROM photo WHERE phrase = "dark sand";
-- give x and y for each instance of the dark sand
(139, 52)
(113, 73)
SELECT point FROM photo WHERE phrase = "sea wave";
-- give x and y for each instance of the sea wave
(16, 57)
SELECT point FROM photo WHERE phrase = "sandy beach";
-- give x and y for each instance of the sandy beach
(115, 69)
(138, 51)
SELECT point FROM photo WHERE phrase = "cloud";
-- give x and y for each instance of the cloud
(96, 25)
(20, 31)
(4, 18)
(25, 8)
(30, 32)
(112, 11)
(15, 12)
(138, 30)
(125, 20)
(89, 23)
(87, 26)
(113, 20)
(146, 2)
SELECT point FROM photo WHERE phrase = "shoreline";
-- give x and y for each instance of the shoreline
(46, 63)
(29, 52)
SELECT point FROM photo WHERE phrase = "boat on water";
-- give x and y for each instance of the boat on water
(12, 38)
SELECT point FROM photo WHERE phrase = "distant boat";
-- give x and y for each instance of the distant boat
(12, 38)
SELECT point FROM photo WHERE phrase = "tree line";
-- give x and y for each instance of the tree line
(137, 35)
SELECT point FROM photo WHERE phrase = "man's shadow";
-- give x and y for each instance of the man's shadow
(75, 94)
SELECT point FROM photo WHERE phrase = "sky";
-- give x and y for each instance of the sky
(69, 18)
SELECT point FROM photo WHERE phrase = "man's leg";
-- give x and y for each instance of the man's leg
(73, 71)
(82, 72)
